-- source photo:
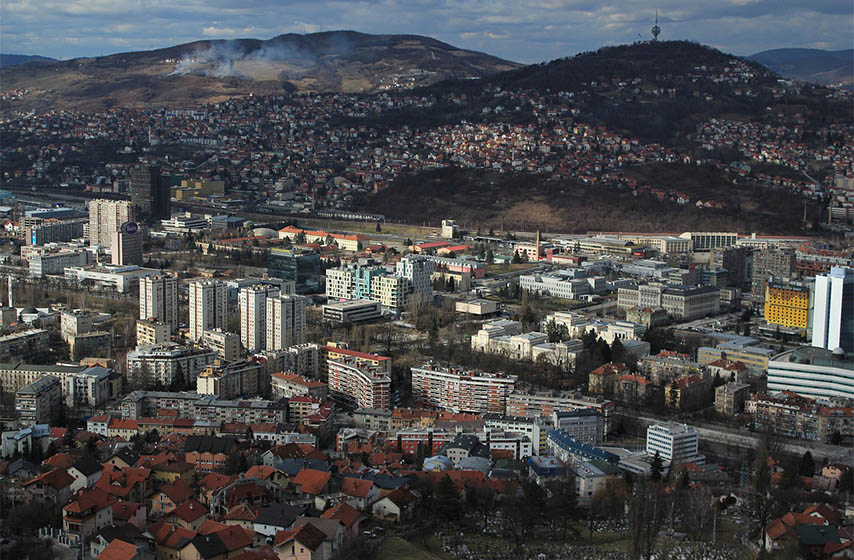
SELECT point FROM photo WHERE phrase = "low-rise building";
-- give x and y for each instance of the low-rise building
(225, 344)
(730, 398)
(585, 425)
(347, 312)
(675, 444)
(286, 385)
(150, 333)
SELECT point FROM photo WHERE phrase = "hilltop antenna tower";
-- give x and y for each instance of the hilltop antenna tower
(656, 30)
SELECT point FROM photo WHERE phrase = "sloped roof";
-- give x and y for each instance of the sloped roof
(177, 491)
(344, 512)
(191, 510)
(308, 535)
(311, 481)
(118, 550)
(356, 487)
(241, 512)
(400, 497)
(57, 479)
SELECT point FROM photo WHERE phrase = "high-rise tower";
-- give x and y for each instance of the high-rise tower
(151, 193)
(656, 30)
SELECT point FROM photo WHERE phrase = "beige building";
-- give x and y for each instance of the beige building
(151, 332)
(106, 217)
(391, 291)
(226, 344)
(730, 398)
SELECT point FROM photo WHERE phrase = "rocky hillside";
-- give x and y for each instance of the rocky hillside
(209, 71)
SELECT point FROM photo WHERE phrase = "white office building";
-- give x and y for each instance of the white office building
(208, 307)
(833, 313)
(675, 443)
(158, 299)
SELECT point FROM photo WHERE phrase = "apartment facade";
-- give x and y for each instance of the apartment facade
(158, 299)
(460, 390)
(208, 307)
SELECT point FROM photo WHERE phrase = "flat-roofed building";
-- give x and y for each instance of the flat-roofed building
(476, 307)
(813, 372)
(149, 333)
(788, 304)
(460, 390)
(675, 444)
(225, 344)
(347, 312)
(359, 385)
(40, 402)
(585, 424)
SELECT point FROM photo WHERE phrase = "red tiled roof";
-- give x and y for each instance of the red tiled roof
(241, 512)
(191, 510)
(343, 512)
(213, 481)
(210, 526)
(356, 487)
(310, 481)
(57, 479)
(118, 424)
(400, 497)
(308, 535)
(178, 491)
(171, 536)
(93, 498)
(261, 471)
(118, 550)
(59, 460)
(235, 537)
(123, 511)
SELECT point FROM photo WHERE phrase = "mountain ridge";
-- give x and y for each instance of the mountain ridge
(819, 66)
(213, 70)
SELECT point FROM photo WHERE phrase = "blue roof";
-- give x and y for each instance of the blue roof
(572, 445)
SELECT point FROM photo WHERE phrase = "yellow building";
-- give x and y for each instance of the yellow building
(787, 304)
(191, 188)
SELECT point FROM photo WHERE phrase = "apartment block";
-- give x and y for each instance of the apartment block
(460, 390)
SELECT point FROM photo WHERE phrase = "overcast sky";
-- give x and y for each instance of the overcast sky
(520, 30)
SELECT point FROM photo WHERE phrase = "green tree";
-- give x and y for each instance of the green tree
(807, 466)
(446, 499)
(490, 257)
(618, 351)
(656, 466)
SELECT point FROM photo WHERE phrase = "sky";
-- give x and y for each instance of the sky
(520, 30)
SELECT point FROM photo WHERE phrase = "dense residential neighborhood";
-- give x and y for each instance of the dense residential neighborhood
(213, 346)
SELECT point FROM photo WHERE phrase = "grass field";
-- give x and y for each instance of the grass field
(395, 548)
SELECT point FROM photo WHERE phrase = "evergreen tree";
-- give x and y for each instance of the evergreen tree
(446, 499)
(807, 467)
(656, 467)
(490, 257)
